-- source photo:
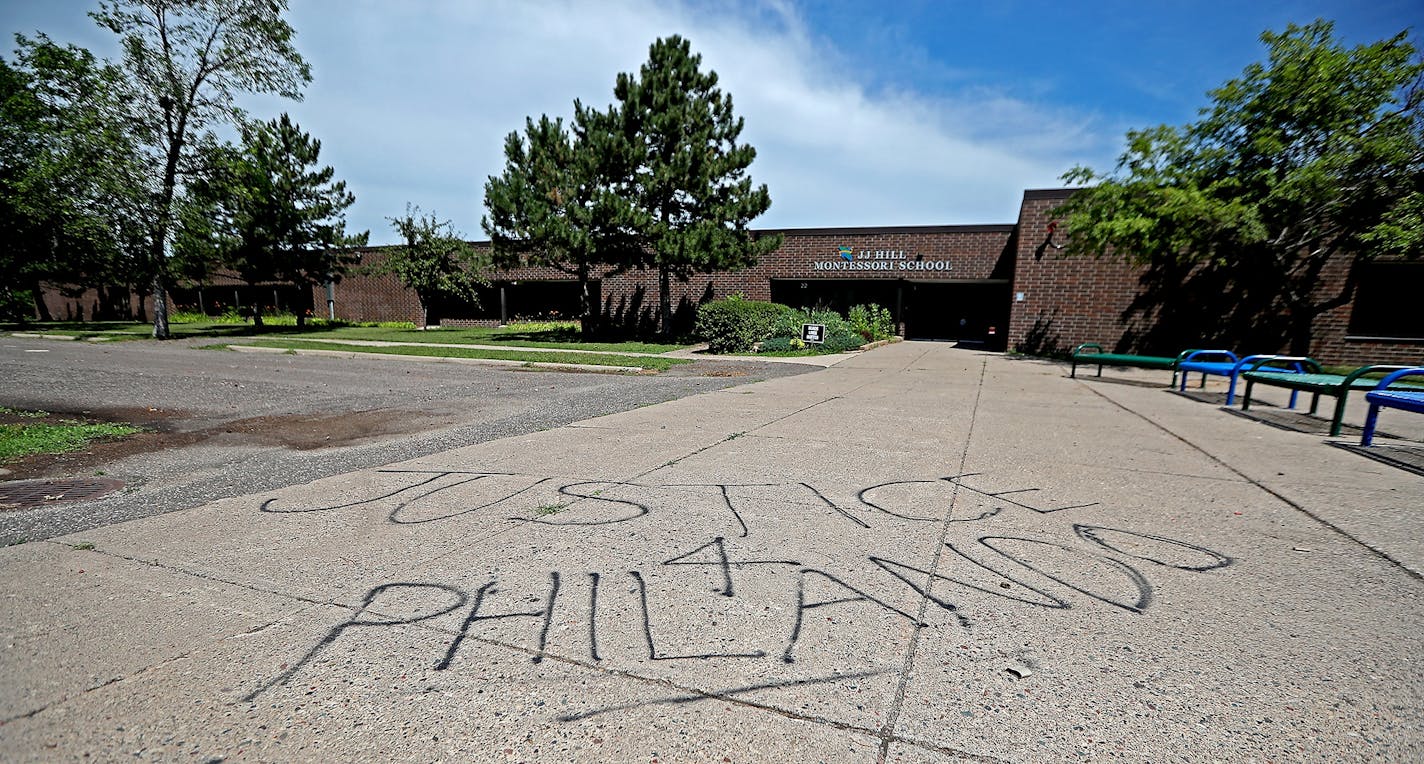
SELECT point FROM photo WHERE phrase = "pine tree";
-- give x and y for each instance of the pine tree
(690, 196)
(557, 203)
(271, 213)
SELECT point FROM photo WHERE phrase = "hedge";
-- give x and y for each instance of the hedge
(733, 325)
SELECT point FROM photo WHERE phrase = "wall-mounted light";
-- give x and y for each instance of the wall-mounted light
(1047, 241)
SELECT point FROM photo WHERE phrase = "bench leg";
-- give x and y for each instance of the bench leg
(1246, 396)
(1295, 394)
(1203, 382)
(1074, 372)
(1100, 370)
(1369, 435)
(1231, 391)
(1339, 420)
(1314, 402)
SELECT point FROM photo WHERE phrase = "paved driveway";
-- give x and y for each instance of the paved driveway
(921, 554)
(226, 424)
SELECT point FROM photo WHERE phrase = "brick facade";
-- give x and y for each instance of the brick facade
(1067, 301)
(1332, 339)
(1024, 293)
(1059, 301)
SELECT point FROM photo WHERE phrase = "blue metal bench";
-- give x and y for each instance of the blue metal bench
(1227, 365)
(1383, 397)
(1232, 368)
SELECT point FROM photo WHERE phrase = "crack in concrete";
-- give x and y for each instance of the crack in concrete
(887, 730)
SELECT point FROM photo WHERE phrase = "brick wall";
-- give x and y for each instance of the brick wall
(1067, 301)
(971, 252)
(1331, 341)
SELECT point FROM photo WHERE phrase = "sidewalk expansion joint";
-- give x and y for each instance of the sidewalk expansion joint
(887, 730)
(1267, 489)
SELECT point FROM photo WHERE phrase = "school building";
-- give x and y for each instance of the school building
(997, 286)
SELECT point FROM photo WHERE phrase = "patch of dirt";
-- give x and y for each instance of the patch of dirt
(305, 432)
(302, 432)
(702, 368)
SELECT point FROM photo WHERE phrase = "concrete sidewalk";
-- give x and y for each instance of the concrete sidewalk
(920, 554)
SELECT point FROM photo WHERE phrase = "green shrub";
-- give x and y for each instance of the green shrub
(777, 344)
(871, 322)
(789, 325)
(733, 325)
(842, 339)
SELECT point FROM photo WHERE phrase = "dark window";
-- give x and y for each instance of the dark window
(1387, 301)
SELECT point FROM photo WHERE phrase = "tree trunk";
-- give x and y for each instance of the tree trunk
(1301, 331)
(41, 309)
(257, 315)
(588, 322)
(160, 306)
(664, 301)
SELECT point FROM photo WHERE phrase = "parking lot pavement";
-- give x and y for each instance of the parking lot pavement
(226, 424)
(920, 554)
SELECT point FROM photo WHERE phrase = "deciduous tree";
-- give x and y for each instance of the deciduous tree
(435, 261)
(186, 61)
(70, 188)
(1315, 154)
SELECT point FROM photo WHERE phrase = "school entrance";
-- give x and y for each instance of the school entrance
(974, 313)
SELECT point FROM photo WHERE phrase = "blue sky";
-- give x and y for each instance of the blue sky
(863, 113)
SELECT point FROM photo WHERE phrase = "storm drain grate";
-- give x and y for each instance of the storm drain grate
(26, 494)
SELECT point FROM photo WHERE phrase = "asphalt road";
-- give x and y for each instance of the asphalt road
(226, 424)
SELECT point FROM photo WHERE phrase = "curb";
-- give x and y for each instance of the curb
(881, 343)
(444, 359)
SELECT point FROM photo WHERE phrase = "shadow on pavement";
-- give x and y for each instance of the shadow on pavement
(1407, 458)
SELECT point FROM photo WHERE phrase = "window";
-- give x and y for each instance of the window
(1388, 301)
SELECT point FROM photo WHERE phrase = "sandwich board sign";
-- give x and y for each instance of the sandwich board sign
(813, 333)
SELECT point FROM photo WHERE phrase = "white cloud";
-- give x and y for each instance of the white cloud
(412, 101)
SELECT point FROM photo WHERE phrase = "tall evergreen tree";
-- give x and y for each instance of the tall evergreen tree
(556, 203)
(690, 195)
(272, 213)
(186, 61)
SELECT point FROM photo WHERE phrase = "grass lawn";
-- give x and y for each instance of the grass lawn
(561, 336)
(26, 438)
(654, 363)
(133, 330)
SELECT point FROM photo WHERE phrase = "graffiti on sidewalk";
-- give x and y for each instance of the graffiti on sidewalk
(747, 573)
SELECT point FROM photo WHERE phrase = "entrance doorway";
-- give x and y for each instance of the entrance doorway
(974, 314)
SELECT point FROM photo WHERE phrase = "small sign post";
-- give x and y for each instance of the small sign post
(815, 333)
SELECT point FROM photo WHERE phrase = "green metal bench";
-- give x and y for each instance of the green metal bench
(1082, 354)
(1311, 379)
